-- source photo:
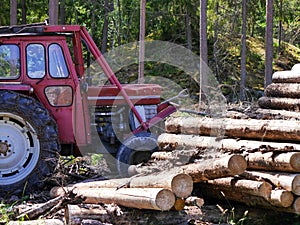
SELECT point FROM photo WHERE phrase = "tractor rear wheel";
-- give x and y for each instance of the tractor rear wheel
(134, 150)
(29, 144)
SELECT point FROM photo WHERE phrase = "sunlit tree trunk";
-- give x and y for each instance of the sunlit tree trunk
(13, 12)
(203, 50)
(142, 40)
(243, 52)
(269, 42)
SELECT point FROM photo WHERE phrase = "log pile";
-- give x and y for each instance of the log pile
(268, 140)
(284, 92)
(270, 148)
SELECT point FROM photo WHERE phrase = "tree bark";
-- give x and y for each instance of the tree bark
(288, 181)
(24, 11)
(140, 198)
(283, 90)
(254, 129)
(288, 76)
(180, 184)
(182, 141)
(285, 162)
(279, 103)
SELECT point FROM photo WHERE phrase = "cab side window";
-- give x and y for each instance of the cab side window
(35, 55)
(57, 62)
(9, 61)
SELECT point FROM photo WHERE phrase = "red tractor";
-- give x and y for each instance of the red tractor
(50, 107)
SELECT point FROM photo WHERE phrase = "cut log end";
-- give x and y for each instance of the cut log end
(296, 205)
(182, 185)
(237, 164)
(295, 161)
(281, 198)
(296, 185)
(179, 204)
(165, 200)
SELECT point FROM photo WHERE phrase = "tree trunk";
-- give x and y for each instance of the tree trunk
(290, 182)
(140, 198)
(105, 28)
(182, 141)
(24, 12)
(208, 169)
(180, 184)
(13, 12)
(285, 162)
(288, 76)
(142, 41)
(254, 129)
(53, 12)
(203, 51)
(188, 29)
(62, 12)
(283, 90)
(279, 103)
(269, 43)
(243, 52)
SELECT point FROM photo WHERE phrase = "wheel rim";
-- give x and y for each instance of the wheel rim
(139, 156)
(19, 148)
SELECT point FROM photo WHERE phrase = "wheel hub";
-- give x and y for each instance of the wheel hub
(4, 148)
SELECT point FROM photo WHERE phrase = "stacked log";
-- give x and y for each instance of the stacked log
(284, 92)
(270, 148)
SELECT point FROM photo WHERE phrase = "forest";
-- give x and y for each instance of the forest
(232, 28)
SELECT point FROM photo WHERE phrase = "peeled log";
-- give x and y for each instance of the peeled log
(251, 187)
(180, 184)
(209, 169)
(254, 129)
(281, 198)
(281, 113)
(278, 200)
(140, 198)
(184, 141)
(285, 162)
(283, 90)
(37, 222)
(279, 103)
(74, 214)
(288, 181)
(289, 76)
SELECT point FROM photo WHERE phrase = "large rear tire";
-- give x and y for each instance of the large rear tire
(134, 150)
(29, 144)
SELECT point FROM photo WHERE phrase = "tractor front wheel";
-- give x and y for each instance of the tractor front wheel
(134, 150)
(29, 144)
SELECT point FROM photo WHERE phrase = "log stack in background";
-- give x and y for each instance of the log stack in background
(270, 146)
